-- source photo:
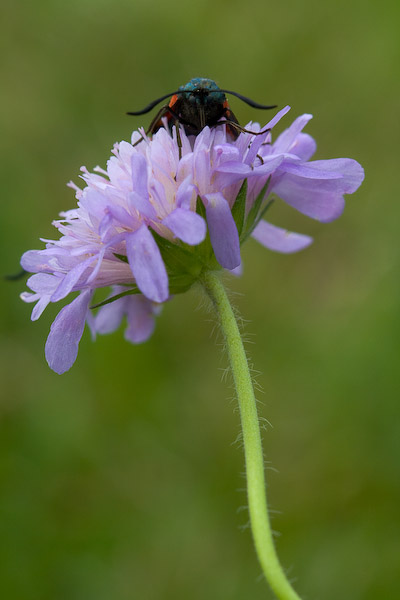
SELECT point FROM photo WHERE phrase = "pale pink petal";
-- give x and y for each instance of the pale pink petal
(141, 320)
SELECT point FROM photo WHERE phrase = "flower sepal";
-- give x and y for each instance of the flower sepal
(182, 263)
(204, 251)
(239, 208)
(256, 212)
(110, 299)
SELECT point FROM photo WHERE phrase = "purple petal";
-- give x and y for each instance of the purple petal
(280, 240)
(157, 190)
(35, 260)
(40, 306)
(309, 198)
(138, 310)
(304, 146)
(321, 199)
(109, 317)
(230, 174)
(66, 332)
(203, 140)
(237, 271)
(28, 297)
(225, 153)
(233, 167)
(147, 264)
(185, 193)
(95, 204)
(122, 216)
(43, 283)
(255, 147)
(71, 278)
(140, 317)
(186, 225)
(185, 168)
(105, 225)
(139, 174)
(96, 269)
(143, 205)
(288, 137)
(306, 170)
(268, 166)
(277, 118)
(351, 171)
(202, 168)
(223, 232)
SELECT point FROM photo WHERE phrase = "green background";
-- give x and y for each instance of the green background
(121, 478)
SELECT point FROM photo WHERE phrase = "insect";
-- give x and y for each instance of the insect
(198, 103)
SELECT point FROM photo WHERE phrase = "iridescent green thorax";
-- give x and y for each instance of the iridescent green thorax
(197, 92)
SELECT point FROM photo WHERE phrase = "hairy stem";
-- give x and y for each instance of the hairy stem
(256, 492)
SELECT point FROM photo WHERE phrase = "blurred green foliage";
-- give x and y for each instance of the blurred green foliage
(119, 479)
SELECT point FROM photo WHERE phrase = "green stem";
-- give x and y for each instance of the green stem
(254, 459)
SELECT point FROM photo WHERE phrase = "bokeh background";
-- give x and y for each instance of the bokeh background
(121, 478)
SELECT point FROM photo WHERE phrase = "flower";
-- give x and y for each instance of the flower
(165, 210)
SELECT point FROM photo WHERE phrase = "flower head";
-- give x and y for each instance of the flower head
(167, 209)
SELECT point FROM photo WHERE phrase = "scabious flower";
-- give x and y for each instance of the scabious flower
(166, 210)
